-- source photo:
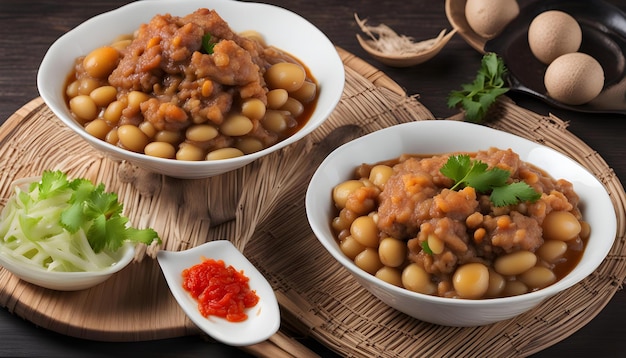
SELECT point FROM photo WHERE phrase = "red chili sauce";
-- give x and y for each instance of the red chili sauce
(220, 290)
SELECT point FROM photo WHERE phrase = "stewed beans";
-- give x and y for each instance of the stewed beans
(164, 92)
(400, 221)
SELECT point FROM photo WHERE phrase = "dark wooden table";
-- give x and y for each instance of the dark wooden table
(28, 28)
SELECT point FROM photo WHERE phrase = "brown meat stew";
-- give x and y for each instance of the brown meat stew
(193, 86)
(399, 220)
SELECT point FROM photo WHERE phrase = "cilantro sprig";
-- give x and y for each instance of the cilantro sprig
(207, 44)
(477, 97)
(91, 208)
(474, 173)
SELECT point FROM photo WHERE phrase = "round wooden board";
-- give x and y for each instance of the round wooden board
(260, 208)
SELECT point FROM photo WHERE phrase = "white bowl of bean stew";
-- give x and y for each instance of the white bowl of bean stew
(459, 255)
(189, 89)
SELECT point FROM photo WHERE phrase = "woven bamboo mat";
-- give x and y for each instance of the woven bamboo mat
(260, 208)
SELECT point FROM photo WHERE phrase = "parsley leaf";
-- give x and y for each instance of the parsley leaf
(512, 193)
(145, 236)
(109, 233)
(89, 207)
(477, 97)
(456, 168)
(207, 45)
(492, 178)
(426, 248)
(73, 218)
(474, 173)
(74, 225)
(54, 183)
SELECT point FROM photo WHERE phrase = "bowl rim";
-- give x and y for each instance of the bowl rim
(559, 286)
(50, 93)
(27, 271)
(22, 269)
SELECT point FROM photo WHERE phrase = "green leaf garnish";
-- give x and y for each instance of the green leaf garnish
(426, 248)
(207, 45)
(512, 193)
(55, 182)
(477, 97)
(66, 225)
(474, 173)
(90, 208)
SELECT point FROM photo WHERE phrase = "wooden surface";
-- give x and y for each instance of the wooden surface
(28, 27)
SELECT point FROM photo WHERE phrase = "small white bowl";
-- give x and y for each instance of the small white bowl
(56, 280)
(66, 281)
(281, 28)
(263, 319)
(444, 136)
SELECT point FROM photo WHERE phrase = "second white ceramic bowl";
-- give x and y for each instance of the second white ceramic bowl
(444, 136)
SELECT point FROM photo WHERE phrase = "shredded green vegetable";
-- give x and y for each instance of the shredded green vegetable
(62, 225)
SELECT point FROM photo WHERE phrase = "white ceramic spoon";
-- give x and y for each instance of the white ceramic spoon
(263, 319)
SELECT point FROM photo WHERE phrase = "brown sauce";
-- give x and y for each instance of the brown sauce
(414, 203)
(162, 60)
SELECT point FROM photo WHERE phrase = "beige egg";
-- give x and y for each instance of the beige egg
(574, 78)
(553, 33)
(489, 17)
